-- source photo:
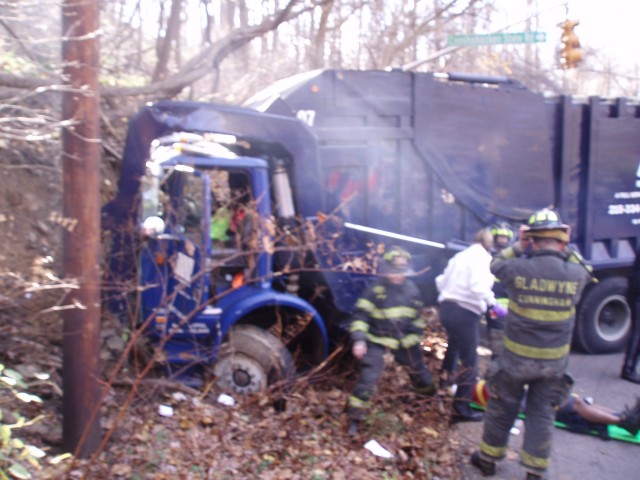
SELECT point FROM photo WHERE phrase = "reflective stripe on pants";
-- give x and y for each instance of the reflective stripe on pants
(547, 389)
(372, 365)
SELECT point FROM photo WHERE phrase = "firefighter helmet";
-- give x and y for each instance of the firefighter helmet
(546, 223)
(480, 395)
(502, 229)
(396, 261)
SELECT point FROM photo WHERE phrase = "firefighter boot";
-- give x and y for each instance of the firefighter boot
(486, 467)
(629, 368)
(630, 419)
(429, 390)
(354, 428)
(630, 375)
(533, 476)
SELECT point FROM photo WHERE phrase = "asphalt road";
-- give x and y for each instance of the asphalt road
(575, 456)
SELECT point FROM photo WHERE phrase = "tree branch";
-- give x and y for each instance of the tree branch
(199, 66)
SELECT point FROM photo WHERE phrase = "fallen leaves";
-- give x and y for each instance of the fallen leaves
(307, 440)
(206, 439)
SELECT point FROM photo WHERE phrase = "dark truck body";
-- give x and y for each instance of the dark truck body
(404, 158)
(444, 155)
(502, 151)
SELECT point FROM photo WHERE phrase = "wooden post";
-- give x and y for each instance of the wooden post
(81, 182)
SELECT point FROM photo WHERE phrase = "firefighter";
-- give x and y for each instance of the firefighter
(633, 347)
(544, 287)
(387, 317)
(502, 238)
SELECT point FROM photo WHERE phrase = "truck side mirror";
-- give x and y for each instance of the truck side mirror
(152, 226)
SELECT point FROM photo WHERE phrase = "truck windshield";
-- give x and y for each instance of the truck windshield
(151, 205)
(188, 191)
(177, 196)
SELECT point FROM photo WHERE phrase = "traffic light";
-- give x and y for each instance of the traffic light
(570, 53)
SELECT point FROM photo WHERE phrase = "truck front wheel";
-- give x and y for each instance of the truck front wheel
(604, 317)
(252, 359)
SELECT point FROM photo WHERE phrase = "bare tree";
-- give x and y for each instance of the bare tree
(226, 51)
(323, 34)
(165, 83)
(169, 41)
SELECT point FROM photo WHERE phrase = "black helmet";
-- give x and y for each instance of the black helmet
(396, 261)
(502, 229)
(546, 223)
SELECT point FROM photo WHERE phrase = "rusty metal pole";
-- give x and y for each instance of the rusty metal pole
(81, 182)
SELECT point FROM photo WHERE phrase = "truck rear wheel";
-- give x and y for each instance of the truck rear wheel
(604, 317)
(252, 359)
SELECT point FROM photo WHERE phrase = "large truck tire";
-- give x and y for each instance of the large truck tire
(252, 359)
(603, 322)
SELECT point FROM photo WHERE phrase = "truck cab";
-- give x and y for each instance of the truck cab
(205, 272)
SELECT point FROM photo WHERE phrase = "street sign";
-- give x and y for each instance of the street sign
(496, 38)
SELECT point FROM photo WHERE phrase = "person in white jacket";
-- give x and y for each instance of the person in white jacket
(465, 294)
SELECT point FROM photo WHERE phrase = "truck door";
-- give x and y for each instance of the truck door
(233, 229)
(171, 269)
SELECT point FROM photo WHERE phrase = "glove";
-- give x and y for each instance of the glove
(499, 311)
(359, 349)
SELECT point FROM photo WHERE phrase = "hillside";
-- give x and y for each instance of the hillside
(202, 438)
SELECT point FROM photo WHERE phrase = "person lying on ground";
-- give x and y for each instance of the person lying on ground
(580, 414)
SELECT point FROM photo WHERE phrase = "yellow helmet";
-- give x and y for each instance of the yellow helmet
(502, 229)
(396, 261)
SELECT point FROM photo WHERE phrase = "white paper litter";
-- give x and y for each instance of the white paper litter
(377, 449)
(165, 410)
(517, 425)
(227, 400)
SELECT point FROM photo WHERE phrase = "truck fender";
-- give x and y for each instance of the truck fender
(237, 308)
(253, 357)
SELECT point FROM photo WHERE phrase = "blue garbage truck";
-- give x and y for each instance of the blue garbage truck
(244, 234)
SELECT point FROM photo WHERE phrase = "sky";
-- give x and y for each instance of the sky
(609, 26)
(608, 35)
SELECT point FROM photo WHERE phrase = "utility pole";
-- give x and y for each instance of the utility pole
(81, 202)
